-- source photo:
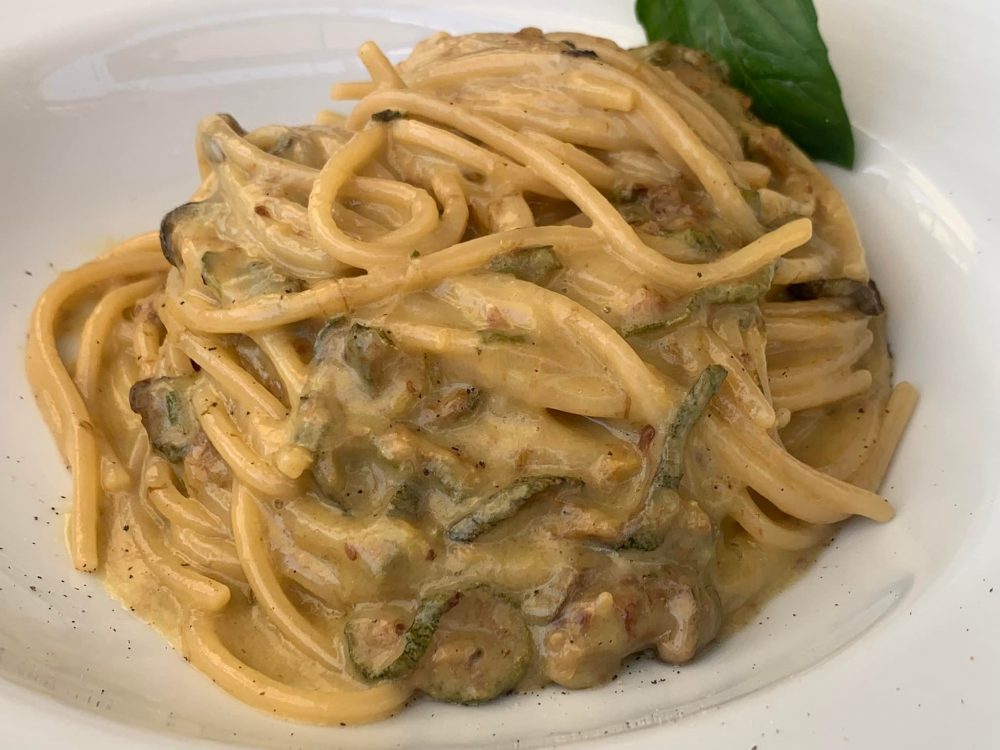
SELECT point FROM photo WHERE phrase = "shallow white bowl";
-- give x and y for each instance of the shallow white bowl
(888, 642)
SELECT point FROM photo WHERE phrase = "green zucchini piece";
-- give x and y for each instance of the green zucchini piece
(311, 420)
(534, 264)
(631, 206)
(366, 351)
(316, 421)
(502, 505)
(649, 529)
(380, 650)
(680, 313)
(865, 296)
(236, 276)
(741, 292)
(317, 415)
(634, 206)
(699, 239)
(692, 406)
(171, 223)
(481, 650)
(167, 414)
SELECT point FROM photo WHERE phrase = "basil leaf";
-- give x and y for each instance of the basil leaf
(775, 54)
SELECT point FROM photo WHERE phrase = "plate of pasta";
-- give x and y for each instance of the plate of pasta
(434, 376)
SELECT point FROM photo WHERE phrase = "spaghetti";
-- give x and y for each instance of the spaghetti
(548, 353)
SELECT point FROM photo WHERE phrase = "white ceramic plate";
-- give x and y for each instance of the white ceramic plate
(890, 641)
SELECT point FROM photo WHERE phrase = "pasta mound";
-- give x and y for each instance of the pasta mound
(549, 352)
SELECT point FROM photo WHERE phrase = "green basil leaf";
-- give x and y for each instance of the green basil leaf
(775, 54)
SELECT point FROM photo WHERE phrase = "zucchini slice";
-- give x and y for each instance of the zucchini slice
(501, 506)
(481, 649)
(235, 276)
(171, 224)
(534, 264)
(692, 406)
(467, 646)
(367, 351)
(866, 297)
(741, 292)
(382, 648)
(167, 414)
(699, 240)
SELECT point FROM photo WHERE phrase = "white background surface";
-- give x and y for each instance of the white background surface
(889, 642)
